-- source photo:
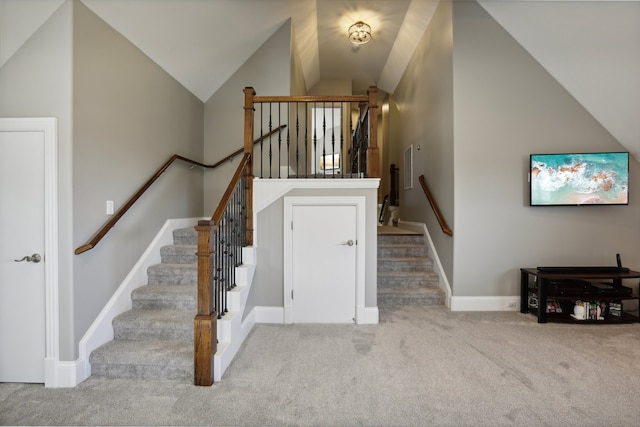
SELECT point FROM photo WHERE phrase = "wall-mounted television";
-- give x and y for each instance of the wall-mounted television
(572, 179)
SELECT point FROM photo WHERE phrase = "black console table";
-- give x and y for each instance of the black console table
(566, 285)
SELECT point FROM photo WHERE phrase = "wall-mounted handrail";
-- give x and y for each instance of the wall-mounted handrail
(436, 210)
(116, 217)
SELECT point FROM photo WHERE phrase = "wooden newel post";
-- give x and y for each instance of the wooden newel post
(373, 154)
(205, 333)
(249, 93)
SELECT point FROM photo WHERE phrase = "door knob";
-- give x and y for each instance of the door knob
(35, 258)
(347, 243)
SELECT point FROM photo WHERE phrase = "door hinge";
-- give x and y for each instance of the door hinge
(291, 293)
(292, 225)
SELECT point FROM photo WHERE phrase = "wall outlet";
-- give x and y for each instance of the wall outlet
(110, 207)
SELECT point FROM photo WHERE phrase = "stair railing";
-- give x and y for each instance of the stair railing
(436, 210)
(133, 199)
(321, 140)
(220, 242)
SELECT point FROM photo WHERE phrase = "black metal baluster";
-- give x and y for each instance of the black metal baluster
(218, 271)
(343, 108)
(288, 138)
(270, 145)
(261, 143)
(306, 142)
(297, 142)
(314, 140)
(279, 142)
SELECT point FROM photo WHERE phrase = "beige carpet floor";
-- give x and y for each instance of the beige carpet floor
(418, 367)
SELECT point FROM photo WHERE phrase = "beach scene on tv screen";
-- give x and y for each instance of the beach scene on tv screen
(579, 179)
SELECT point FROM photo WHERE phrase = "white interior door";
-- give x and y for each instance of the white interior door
(323, 262)
(22, 234)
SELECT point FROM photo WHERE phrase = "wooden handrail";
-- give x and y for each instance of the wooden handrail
(311, 98)
(226, 197)
(116, 217)
(436, 210)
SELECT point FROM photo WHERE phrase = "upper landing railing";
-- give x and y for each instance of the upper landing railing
(322, 137)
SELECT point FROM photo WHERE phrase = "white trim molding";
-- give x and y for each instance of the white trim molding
(492, 303)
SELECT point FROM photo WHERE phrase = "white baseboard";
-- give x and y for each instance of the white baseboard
(368, 316)
(263, 314)
(269, 314)
(485, 303)
(60, 374)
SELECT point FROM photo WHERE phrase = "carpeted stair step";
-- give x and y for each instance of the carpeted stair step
(165, 297)
(143, 359)
(405, 271)
(185, 236)
(408, 279)
(179, 254)
(413, 239)
(393, 297)
(177, 274)
(401, 250)
(405, 264)
(170, 325)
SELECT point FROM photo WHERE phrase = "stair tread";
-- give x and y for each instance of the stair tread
(161, 316)
(149, 352)
(182, 266)
(392, 273)
(411, 291)
(189, 290)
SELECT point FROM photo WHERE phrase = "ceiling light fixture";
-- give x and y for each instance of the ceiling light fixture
(359, 33)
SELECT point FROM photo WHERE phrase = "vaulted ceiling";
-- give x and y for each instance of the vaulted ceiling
(201, 43)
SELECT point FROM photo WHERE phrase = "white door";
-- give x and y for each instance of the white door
(323, 263)
(22, 284)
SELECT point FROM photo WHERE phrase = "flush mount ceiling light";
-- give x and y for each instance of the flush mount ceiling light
(359, 33)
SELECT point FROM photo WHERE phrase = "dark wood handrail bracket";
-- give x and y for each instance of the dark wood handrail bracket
(116, 217)
(436, 210)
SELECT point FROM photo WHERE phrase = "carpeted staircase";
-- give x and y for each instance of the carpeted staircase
(155, 338)
(405, 273)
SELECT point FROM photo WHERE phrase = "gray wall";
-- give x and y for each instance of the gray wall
(268, 72)
(37, 82)
(120, 118)
(129, 118)
(421, 113)
(480, 105)
(506, 107)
